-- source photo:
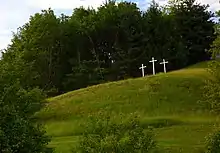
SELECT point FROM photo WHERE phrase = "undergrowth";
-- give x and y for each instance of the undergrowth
(106, 136)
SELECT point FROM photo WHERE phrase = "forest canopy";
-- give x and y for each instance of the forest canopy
(92, 46)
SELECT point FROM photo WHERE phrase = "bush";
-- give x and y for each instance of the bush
(213, 143)
(212, 87)
(106, 136)
(212, 99)
(19, 131)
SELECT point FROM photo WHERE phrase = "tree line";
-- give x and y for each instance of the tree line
(92, 46)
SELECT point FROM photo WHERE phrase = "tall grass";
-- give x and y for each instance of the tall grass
(166, 102)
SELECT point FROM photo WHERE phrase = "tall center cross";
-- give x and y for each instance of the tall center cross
(153, 61)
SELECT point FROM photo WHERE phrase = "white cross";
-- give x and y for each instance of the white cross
(164, 65)
(142, 67)
(152, 61)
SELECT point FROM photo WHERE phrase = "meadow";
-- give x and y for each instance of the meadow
(171, 103)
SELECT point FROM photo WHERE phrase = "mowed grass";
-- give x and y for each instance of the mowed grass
(168, 102)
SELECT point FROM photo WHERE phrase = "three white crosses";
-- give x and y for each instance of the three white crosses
(153, 63)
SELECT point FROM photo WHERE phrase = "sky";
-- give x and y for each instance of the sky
(15, 13)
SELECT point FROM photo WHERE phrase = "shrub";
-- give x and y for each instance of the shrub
(107, 136)
(213, 143)
(212, 87)
(19, 132)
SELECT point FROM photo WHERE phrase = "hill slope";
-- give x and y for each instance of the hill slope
(168, 99)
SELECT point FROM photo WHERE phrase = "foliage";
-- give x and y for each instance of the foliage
(103, 135)
(60, 54)
(213, 143)
(212, 91)
(212, 88)
(215, 46)
(18, 129)
(196, 37)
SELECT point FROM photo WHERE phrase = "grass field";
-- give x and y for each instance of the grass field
(171, 100)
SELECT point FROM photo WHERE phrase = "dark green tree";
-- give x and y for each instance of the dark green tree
(195, 28)
(60, 54)
(19, 131)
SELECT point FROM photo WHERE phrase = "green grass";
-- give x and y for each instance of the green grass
(167, 102)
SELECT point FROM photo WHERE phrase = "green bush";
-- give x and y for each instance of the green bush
(213, 143)
(106, 136)
(212, 87)
(19, 131)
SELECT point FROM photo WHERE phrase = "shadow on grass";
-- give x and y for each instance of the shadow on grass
(161, 123)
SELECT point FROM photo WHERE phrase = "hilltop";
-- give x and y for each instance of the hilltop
(169, 102)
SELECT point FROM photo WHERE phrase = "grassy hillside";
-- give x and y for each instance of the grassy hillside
(169, 100)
